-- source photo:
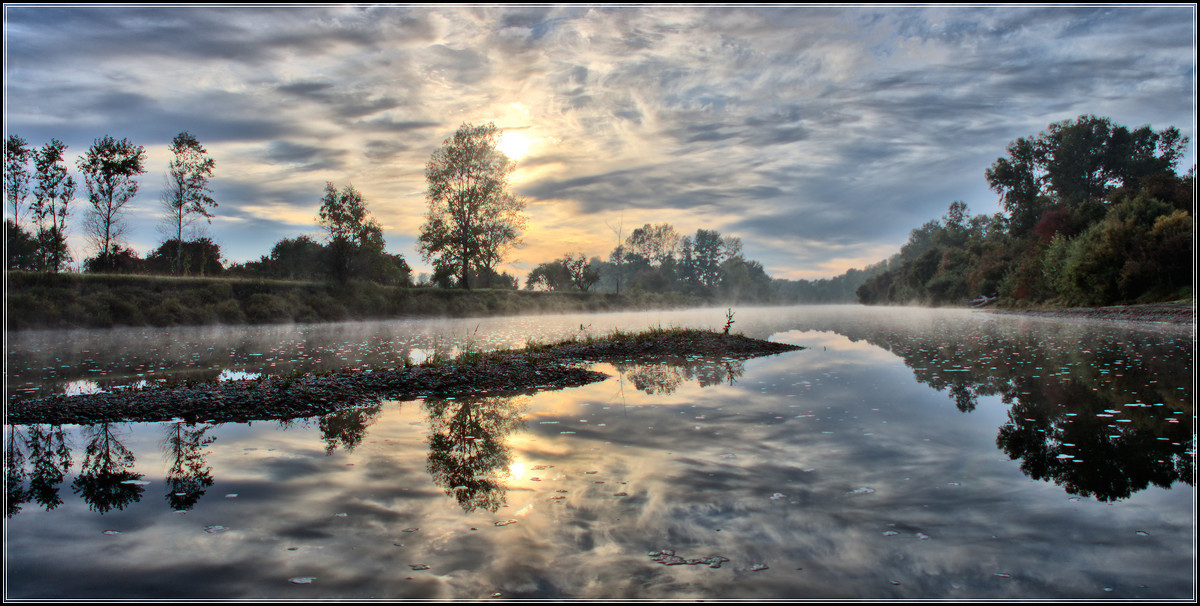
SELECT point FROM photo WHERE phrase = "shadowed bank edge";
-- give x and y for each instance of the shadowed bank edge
(536, 367)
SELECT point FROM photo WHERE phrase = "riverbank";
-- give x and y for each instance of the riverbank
(474, 374)
(1172, 313)
(39, 300)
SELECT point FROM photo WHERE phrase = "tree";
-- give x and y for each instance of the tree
(299, 257)
(583, 276)
(109, 168)
(472, 218)
(352, 231)
(551, 275)
(20, 247)
(51, 197)
(653, 242)
(17, 155)
(187, 195)
(570, 272)
(1078, 163)
(707, 255)
(201, 257)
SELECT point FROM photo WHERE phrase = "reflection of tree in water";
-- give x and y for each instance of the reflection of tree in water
(105, 470)
(664, 377)
(15, 493)
(1090, 407)
(45, 450)
(467, 453)
(347, 427)
(1068, 434)
(189, 475)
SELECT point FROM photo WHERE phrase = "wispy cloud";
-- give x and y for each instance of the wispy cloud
(819, 135)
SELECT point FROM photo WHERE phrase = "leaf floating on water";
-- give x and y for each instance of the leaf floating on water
(339, 515)
(621, 494)
(1142, 533)
(505, 522)
(410, 530)
(890, 533)
(776, 496)
(111, 532)
(419, 566)
(863, 490)
(302, 580)
(232, 495)
(758, 567)
(214, 529)
(922, 536)
(1003, 575)
(135, 482)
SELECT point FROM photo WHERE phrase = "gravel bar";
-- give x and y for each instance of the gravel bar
(502, 373)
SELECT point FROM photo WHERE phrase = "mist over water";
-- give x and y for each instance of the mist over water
(904, 454)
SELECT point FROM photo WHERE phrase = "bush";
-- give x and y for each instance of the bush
(266, 308)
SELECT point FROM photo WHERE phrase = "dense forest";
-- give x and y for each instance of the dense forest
(1094, 213)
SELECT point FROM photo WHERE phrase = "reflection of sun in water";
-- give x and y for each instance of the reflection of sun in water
(515, 144)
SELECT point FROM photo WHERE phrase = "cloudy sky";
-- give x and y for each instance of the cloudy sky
(818, 135)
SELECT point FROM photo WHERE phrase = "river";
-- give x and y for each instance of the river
(904, 454)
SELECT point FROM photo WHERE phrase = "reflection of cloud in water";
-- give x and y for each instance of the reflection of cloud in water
(80, 387)
(237, 375)
(698, 470)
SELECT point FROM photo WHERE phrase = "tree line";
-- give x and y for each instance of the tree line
(473, 221)
(655, 258)
(1093, 213)
(39, 202)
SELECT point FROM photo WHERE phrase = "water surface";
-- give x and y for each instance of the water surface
(904, 454)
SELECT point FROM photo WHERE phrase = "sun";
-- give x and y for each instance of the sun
(514, 144)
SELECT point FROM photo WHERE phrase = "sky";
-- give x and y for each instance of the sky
(818, 135)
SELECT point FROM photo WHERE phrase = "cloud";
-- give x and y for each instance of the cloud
(813, 133)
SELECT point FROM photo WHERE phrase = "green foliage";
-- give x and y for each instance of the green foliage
(1095, 215)
(1079, 163)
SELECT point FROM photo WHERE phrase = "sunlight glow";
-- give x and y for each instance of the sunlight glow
(515, 145)
(516, 469)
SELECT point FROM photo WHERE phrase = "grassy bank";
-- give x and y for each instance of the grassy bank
(38, 300)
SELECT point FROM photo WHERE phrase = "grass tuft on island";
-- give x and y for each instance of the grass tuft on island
(535, 367)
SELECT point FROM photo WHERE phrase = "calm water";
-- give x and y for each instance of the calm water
(904, 454)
